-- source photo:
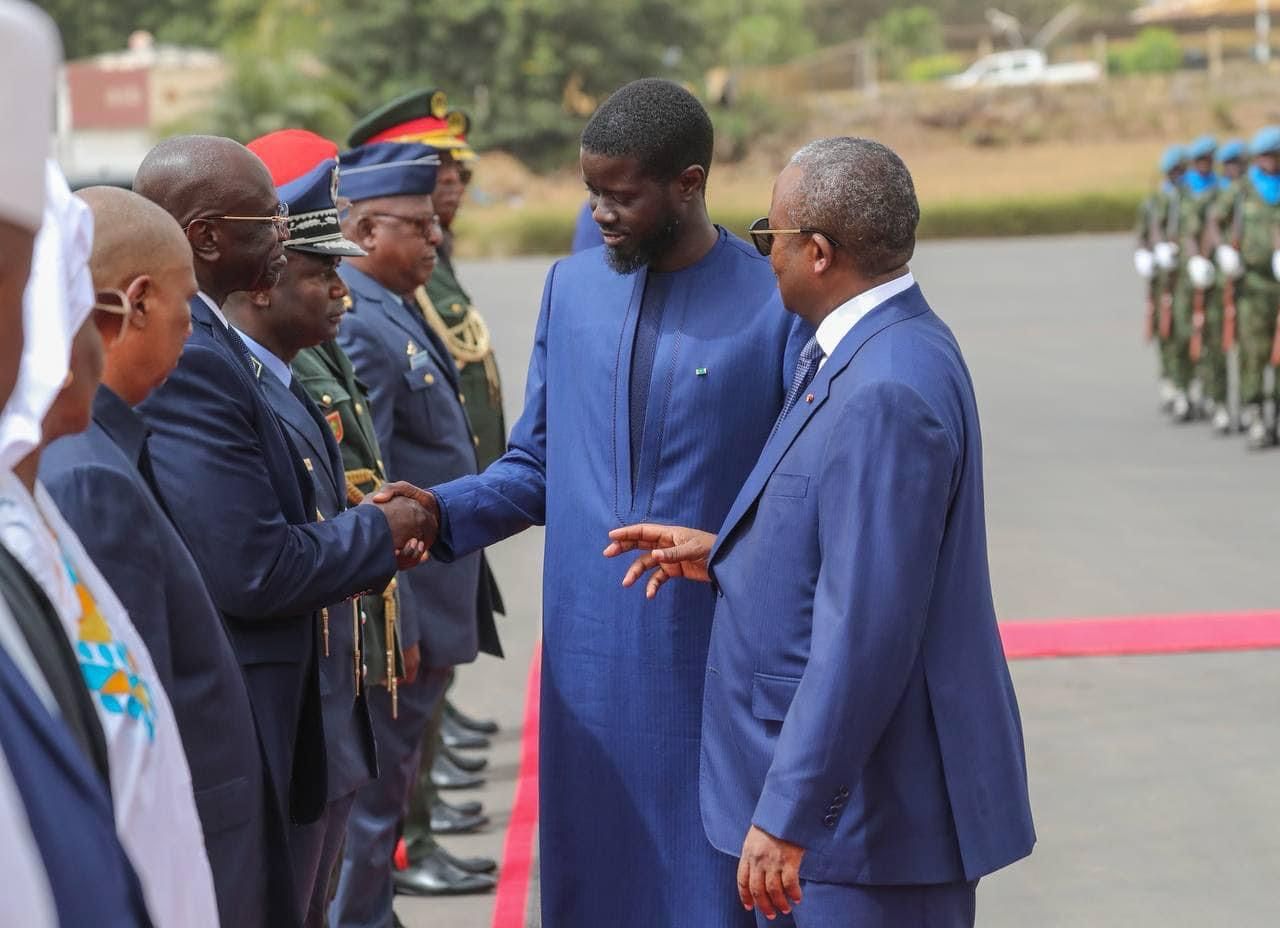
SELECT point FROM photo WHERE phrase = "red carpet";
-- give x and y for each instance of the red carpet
(517, 849)
(1091, 637)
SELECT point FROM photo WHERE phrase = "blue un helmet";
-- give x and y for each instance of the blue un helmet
(1172, 159)
(1232, 150)
(1203, 147)
(1266, 142)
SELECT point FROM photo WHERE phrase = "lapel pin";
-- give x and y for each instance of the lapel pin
(411, 349)
(700, 372)
(809, 398)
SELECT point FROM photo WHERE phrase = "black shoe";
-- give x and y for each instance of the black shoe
(446, 775)
(435, 876)
(470, 807)
(469, 864)
(446, 820)
(466, 762)
(455, 736)
(482, 726)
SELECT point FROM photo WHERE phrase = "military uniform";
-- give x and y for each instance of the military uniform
(326, 374)
(1257, 295)
(1191, 298)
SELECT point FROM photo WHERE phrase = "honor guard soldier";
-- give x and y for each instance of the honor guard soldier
(1196, 280)
(1219, 367)
(1156, 261)
(424, 116)
(1251, 247)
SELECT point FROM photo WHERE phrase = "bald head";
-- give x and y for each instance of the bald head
(221, 195)
(192, 176)
(132, 237)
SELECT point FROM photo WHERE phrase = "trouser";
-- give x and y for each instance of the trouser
(1212, 368)
(841, 905)
(1177, 347)
(1159, 287)
(1257, 299)
(419, 842)
(315, 849)
(364, 895)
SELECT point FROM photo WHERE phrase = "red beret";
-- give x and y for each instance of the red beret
(290, 153)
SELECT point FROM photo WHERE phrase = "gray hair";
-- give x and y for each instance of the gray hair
(861, 193)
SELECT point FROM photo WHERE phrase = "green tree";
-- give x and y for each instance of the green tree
(903, 35)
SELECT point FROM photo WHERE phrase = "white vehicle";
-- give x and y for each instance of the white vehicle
(1021, 68)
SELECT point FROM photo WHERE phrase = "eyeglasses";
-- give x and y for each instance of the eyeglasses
(280, 220)
(424, 227)
(111, 312)
(762, 235)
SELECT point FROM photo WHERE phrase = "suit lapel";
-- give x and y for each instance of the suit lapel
(297, 417)
(907, 305)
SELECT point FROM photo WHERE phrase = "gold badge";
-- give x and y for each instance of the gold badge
(439, 104)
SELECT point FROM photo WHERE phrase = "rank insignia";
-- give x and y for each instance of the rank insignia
(335, 423)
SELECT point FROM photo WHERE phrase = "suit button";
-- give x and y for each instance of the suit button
(428, 379)
(844, 792)
(462, 399)
(326, 399)
(830, 820)
(475, 440)
(457, 307)
(359, 409)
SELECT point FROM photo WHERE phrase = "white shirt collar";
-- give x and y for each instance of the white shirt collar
(842, 319)
(217, 310)
(267, 359)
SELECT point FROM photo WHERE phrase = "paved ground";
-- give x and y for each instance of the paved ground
(1153, 779)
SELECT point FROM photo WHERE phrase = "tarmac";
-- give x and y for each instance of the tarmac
(1154, 779)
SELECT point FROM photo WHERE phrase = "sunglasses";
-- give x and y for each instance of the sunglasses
(111, 311)
(762, 235)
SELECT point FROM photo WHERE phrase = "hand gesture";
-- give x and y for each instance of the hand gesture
(414, 517)
(769, 874)
(672, 552)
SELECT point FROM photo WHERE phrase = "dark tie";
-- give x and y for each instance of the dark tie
(806, 370)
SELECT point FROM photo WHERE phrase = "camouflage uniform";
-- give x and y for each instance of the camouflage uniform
(1257, 292)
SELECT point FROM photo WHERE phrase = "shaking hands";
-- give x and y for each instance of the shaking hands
(414, 517)
(670, 551)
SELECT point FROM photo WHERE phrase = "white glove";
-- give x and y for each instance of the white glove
(1144, 262)
(1166, 255)
(1229, 262)
(1275, 264)
(1201, 271)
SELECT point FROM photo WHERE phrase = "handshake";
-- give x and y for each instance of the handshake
(414, 518)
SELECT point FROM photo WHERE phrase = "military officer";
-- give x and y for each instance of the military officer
(422, 429)
(303, 309)
(424, 116)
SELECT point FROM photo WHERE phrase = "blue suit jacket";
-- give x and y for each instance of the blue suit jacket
(425, 439)
(857, 699)
(94, 479)
(69, 809)
(348, 733)
(245, 505)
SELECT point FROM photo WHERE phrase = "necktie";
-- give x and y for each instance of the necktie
(806, 370)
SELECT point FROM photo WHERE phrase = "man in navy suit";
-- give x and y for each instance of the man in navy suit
(301, 311)
(235, 486)
(862, 752)
(99, 480)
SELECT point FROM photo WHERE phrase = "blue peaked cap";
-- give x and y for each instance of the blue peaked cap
(1173, 156)
(313, 213)
(387, 169)
(1266, 142)
(1232, 150)
(1203, 147)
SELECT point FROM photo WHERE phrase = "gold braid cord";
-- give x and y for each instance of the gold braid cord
(468, 341)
